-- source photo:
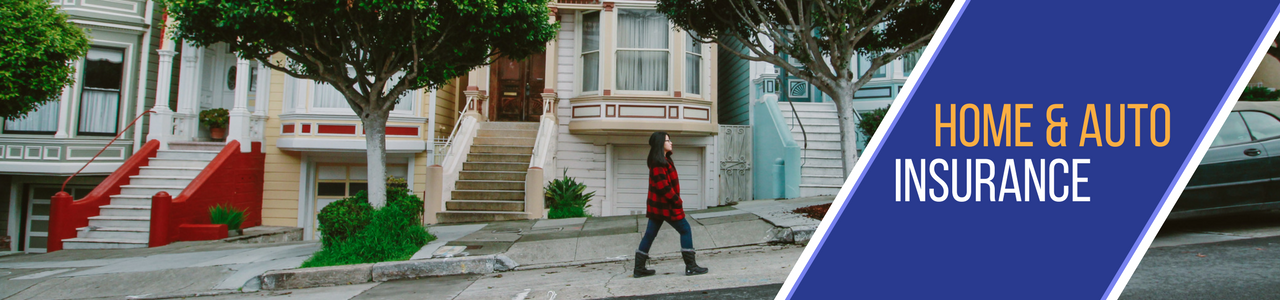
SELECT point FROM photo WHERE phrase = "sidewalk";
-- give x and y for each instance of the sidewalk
(202, 268)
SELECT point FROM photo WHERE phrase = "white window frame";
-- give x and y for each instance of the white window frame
(672, 42)
(703, 71)
(580, 68)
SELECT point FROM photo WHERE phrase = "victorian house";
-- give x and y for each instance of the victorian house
(480, 148)
(113, 83)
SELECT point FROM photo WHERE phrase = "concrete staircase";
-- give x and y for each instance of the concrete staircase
(126, 221)
(822, 171)
(490, 186)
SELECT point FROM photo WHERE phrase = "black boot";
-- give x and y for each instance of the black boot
(640, 270)
(691, 264)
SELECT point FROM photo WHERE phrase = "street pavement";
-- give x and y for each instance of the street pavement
(738, 272)
(746, 292)
(596, 251)
(1227, 257)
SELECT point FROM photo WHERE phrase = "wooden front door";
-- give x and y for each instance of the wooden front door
(517, 89)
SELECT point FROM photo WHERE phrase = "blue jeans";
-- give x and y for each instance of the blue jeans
(681, 226)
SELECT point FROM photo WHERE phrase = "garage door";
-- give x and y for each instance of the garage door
(631, 178)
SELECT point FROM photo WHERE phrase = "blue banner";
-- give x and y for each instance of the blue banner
(1033, 155)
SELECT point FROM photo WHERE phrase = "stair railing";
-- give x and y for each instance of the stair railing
(66, 213)
(457, 122)
(104, 148)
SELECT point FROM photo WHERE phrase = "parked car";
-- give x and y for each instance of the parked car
(1240, 172)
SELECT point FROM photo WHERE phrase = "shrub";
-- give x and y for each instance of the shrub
(1257, 93)
(392, 234)
(406, 200)
(565, 198)
(397, 182)
(355, 233)
(342, 219)
(225, 214)
(870, 121)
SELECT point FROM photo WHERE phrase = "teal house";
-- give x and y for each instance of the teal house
(795, 135)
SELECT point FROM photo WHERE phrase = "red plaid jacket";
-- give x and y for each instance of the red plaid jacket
(664, 194)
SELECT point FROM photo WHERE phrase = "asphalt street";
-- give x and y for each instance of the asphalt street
(1228, 257)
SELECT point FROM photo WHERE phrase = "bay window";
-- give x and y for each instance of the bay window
(643, 50)
(100, 92)
(591, 52)
(327, 98)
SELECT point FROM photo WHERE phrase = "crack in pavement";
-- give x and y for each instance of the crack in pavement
(609, 289)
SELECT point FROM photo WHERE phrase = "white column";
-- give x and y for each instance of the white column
(162, 120)
(188, 94)
(238, 129)
(64, 108)
(263, 96)
(431, 127)
(261, 103)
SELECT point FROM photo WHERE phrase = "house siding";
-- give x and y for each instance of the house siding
(568, 58)
(734, 86)
(446, 107)
(584, 160)
(281, 186)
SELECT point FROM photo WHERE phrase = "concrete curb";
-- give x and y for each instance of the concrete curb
(384, 271)
(798, 235)
(184, 295)
(654, 257)
(485, 264)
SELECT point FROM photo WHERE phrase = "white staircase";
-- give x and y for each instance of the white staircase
(490, 186)
(126, 221)
(822, 170)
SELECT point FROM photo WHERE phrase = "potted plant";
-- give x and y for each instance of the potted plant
(225, 214)
(216, 119)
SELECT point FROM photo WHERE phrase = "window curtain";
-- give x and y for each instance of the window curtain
(642, 70)
(43, 119)
(100, 96)
(98, 110)
(693, 66)
(326, 96)
(591, 52)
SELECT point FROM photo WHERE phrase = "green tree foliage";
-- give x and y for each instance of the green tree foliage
(37, 45)
(826, 36)
(371, 51)
(1257, 93)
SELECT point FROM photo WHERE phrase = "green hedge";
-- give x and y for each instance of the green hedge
(355, 233)
(1257, 93)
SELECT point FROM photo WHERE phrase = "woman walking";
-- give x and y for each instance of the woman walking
(664, 205)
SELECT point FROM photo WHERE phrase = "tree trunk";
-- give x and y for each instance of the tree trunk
(375, 128)
(843, 96)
